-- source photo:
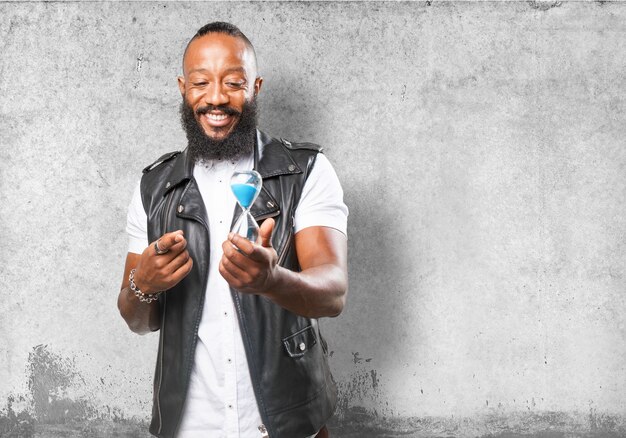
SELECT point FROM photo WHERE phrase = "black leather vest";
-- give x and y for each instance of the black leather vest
(286, 353)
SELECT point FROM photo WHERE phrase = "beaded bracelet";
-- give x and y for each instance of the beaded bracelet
(144, 298)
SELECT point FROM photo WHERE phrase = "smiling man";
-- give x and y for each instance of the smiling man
(240, 351)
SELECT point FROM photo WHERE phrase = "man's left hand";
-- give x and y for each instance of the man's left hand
(250, 267)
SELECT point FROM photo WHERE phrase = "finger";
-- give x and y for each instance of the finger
(265, 233)
(227, 275)
(233, 269)
(259, 254)
(232, 278)
(243, 244)
(177, 247)
(184, 269)
(169, 239)
(178, 261)
(165, 256)
(161, 261)
(180, 273)
(234, 256)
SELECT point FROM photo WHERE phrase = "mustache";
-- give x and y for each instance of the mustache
(223, 108)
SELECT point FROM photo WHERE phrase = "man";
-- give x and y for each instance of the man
(240, 351)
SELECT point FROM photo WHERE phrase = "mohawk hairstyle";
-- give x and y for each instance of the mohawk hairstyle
(222, 27)
(225, 28)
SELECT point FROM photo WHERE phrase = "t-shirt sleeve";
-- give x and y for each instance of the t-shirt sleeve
(321, 203)
(137, 223)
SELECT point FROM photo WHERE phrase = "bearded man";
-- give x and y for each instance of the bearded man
(240, 351)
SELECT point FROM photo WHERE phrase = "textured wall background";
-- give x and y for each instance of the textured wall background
(482, 151)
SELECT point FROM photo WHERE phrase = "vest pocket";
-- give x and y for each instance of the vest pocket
(300, 342)
(300, 374)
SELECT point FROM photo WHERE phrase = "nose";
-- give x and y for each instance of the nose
(215, 95)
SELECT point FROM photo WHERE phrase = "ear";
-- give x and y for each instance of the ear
(257, 85)
(181, 85)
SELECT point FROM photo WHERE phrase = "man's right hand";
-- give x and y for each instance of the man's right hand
(158, 272)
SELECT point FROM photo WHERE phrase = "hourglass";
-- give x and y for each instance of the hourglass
(246, 186)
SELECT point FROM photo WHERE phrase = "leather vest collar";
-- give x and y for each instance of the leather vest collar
(281, 164)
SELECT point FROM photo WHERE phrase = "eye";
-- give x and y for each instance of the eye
(199, 84)
(236, 84)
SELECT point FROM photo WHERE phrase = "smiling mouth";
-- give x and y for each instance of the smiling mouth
(217, 120)
(217, 117)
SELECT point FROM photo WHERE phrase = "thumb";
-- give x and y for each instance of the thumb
(265, 233)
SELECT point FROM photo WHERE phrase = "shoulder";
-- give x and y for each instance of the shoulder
(295, 146)
(303, 154)
(162, 159)
(162, 174)
(284, 157)
(275, 144)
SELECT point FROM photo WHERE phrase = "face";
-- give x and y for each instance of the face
(219, 78)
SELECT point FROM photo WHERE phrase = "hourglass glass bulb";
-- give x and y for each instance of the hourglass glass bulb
(246, 186)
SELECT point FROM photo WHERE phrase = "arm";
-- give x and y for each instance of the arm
(154, 272)
(318, 290)
(141, 317)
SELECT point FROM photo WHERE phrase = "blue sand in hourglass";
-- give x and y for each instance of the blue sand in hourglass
(244, 193)
(246, 185)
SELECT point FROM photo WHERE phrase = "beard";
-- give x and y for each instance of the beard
(239, 143)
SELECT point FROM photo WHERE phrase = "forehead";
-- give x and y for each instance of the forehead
(215, 51)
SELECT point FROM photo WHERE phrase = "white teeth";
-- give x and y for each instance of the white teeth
(216, 117)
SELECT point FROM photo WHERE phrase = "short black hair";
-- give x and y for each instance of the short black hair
(221, 27)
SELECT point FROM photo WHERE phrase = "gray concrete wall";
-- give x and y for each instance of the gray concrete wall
(481, 148)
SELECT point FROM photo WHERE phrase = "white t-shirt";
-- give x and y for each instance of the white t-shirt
(221, 401)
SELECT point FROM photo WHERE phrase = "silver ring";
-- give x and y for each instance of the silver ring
(158, 250)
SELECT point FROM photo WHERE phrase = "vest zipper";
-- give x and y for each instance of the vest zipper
(161, 366)
(256, 386)
(263, 431)
(204, 286)
(158, 397)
